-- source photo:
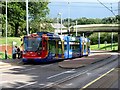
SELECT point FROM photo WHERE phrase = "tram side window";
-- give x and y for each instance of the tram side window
(71, 46)
(65, 46)
(76, 47)
(84, 46)
(45, 44)
(52, 46)
(60, 47)
(88, 44)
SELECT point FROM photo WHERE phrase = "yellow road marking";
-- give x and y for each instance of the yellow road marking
(97, 79)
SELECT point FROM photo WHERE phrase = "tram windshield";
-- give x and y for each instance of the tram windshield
(32, 44)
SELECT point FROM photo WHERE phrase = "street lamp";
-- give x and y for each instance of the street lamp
(98, 39)
(76, 28)
(111, 40)
(68, 18)
(57, 25)
(27, 16)
(61, 22)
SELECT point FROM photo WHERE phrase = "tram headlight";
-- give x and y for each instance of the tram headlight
(24, 52)
(39, 53)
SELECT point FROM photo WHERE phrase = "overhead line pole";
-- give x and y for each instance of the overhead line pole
(119, 27)
(61, 23)
(99, 40)
(112, 32)
(76, 28)
(68, 18)
(57, 24)
(106, 7)
(6, 32)
(27, 17)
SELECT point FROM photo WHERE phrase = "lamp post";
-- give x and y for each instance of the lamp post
(99, 40)
(6, 32)
(57, 25)
(61, 22)
(76, 28)
(27, 16)
(111, 40)
(68, 18)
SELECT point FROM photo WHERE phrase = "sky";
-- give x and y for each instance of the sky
(82, 8)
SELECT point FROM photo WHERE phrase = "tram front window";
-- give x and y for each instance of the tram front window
(32, 44)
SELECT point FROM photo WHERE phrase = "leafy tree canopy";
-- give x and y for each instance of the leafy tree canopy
(16, 15)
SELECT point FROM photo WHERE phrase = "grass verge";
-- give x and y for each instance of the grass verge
(105, 47)
(2, 56)
(10, 40)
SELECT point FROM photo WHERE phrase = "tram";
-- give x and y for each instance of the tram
(47, 47)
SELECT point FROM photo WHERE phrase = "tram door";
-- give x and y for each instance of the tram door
(56, 49)
(81, 46)
(52, 47)
(60, 49)
(85, 47)
(67, 48)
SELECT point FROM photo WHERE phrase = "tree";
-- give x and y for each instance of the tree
(17, 14)
(37, 14)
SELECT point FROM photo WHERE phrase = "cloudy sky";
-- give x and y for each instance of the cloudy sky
(83, 8)
(109, 1)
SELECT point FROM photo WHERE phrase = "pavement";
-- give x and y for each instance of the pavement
(9, 62)
(84, 61)
(70, 63)
(108, 81)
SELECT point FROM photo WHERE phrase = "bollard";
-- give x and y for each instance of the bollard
(105, 44)
(5, 54)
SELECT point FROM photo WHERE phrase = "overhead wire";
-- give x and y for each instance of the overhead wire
(78, 4)
(107, 7)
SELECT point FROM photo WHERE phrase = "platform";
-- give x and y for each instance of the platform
(84, 61)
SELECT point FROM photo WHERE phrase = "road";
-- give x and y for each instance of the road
(103, 74)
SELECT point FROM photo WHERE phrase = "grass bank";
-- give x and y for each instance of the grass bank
(10, 40)
(2, 56)
(103, 47)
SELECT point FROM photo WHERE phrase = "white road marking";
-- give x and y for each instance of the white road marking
(89, 74)
(55, 75)
(69, 84)
(27, 69)
(47, 65)
(71, 71)
(11, 67)
(97, 79)
(48, 85)
(2, 82)
(65, 79)
(41, 84)
(26, 85)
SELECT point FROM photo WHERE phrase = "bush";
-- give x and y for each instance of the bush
(103, 37)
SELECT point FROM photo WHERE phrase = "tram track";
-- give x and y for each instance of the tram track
(73, 76)
(55, 75)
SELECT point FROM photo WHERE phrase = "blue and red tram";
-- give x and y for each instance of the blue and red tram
(46, 47)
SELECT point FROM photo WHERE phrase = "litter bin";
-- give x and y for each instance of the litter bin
(5, 54)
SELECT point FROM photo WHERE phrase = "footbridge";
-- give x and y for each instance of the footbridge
(96, 28)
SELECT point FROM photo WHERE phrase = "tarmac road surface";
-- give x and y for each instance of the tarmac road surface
(97, 75)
